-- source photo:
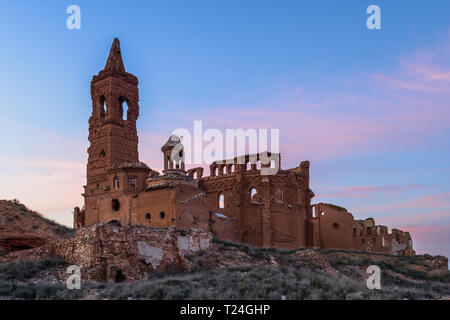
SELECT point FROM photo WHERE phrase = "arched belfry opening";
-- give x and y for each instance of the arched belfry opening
(123, 108)
(102, 106)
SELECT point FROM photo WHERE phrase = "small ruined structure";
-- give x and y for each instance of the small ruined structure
(236, 202)
(114, 253)
(335, 227)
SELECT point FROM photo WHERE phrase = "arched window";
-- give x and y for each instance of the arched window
(102, 106)
(232, 168)
(162, 215)
(221, 202)
(258, 165)
(216, 171)
(249, 166)
(148, 216)
(335, 226)
(224, 170)
(253, 195)
(123, 110)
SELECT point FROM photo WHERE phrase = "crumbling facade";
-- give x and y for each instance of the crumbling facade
(236, 202)
(335, 227)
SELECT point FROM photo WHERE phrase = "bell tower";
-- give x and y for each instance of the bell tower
(115, 109)
(112, 127)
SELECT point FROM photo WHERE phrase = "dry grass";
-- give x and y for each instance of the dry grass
(399, 281)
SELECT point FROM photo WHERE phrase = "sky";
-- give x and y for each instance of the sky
(369, 108)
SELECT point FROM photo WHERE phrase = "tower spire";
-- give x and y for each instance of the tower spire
(115, 62)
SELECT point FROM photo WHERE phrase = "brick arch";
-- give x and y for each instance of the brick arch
(255, 199)
(102, 106)
(198, 171)
(123, 99)
(220, 197)
(212, 170)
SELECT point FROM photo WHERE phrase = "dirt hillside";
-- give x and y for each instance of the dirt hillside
(21, 228)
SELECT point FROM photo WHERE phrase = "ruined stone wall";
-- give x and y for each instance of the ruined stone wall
(154, 208)
(193, 208)
(113, 253)
(273, 217)
(184, 206)
(335, 227)
(367, 236)
(400, 243)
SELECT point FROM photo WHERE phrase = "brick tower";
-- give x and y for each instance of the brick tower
(112, 129)
(112, 135)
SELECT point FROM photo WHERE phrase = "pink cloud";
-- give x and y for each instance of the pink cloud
(423, 65)
(424, 70)
(440, 200)
(416, 219)
(430, 239)
(366, 191)
(406, 84)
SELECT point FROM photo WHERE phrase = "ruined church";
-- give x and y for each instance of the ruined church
(235, 202)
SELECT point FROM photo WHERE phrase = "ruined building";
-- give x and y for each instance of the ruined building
(236, 202)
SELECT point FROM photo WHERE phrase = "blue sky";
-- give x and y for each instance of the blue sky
(369, 108)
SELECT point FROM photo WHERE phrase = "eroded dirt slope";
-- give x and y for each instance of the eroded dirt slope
(21, 228)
